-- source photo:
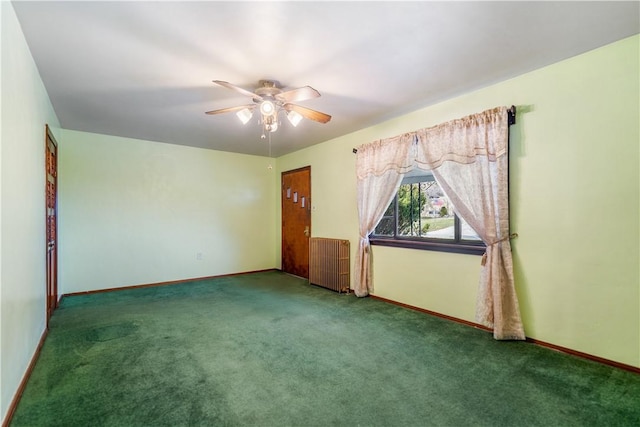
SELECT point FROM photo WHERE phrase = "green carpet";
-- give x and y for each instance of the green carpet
(267, 349)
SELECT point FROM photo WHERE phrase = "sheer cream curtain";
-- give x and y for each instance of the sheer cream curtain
(469, 160)
(380, 166)
(468, 157)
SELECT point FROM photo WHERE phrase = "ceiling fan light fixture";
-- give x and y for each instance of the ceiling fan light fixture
(244, 115)
(267, 108)
(270, 100)
(270, 123)
(294, 117)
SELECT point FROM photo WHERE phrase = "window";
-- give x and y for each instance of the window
(421, 216)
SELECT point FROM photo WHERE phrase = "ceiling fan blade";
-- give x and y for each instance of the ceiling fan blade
(232, 109)
(296, 95)
(308, 113)
(238, 89)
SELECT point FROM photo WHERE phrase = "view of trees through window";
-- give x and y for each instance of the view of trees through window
(423, 210)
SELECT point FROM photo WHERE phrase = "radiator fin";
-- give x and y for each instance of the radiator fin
(329, 263)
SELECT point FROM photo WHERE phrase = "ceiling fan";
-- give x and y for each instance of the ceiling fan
(269, 99)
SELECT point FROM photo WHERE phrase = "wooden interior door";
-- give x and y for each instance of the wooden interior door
(296, 221)
(51, 174)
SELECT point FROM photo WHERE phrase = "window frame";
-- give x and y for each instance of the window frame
(455, 245)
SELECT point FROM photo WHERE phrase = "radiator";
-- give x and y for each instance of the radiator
(329, 263)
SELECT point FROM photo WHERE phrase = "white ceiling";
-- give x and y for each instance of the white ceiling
(143, 69)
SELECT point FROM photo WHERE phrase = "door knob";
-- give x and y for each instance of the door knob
(306, 231)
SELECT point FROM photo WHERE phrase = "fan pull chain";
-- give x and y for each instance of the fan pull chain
(270, 167)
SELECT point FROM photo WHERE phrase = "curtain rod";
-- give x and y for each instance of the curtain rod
(511, 120)
(511, 115)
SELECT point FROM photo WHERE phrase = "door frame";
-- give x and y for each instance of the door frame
(51, 262)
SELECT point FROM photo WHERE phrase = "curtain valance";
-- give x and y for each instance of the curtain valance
(431, 146)
(384, 155)
(463, 140)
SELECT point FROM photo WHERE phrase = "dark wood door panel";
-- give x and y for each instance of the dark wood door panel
(51, 206)
(296, 221)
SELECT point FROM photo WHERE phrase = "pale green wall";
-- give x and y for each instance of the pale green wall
(25, 111)
(574, 197)
(133, 212)
(333, 190)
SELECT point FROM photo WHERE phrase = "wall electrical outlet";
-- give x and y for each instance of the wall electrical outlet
(199, 256)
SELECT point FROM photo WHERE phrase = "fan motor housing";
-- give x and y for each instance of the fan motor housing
(268, 88)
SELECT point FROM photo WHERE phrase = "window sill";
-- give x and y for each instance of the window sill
(430, 245)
